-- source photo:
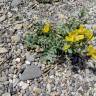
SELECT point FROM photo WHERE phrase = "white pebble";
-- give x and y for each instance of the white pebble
(27, 62)
(48, 88)
(23, 85)
(6, 94)
(17, 60)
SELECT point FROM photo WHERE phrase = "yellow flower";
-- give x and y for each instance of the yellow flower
(79, 37)
(69, 38)
(74, 37)
(66, 47)
(91, 51)
(46, 27)
(86, 32)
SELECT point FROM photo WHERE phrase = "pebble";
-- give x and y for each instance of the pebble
(17, 60)
(23, 85)
(1, 60)
(27, 62)
(31, 72)
(3, 50)
(94, 27)
(15, 38)
(15, 82)
(6, 94)
(88, 26)
(18, 26)
(37, 90)
(1, 86)
(3, 79)
(48, 88)
(15, 3)
(90, 64)
(6, 83)
(10, 14)
(30, 57)
(1, 92)
(55, 94)
(2, 18)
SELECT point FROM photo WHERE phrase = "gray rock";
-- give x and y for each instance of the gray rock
(48, 88)
(6, 94)
(15, 82)
(1, 92)
(3, 79)
(16, 2)
(3, 50)
(1, 86)
(15, 38)
(23, 85)
(31, 72)
(89, 26)
(2, 18)
(3, 1)
(30, 57)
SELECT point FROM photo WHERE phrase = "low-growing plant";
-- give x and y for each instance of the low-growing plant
(47, 39)
(71, 38)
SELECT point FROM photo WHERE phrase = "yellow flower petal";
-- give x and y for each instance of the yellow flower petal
(93, 56)
(46, 27)
(69, 38)
(66, 47)
(90, 48)
(79, 37)
(91, 51)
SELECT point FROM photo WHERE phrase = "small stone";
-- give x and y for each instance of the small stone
(37, 90)
(15, 82)
(30, 57)
(3, 79)
(18, 26)
(10, 80)
(55, 94)
(17, 60)
(94, 27)
(3, 50)
(15, 3)
(10, 14)
(31, 72)
(15, 38)
(6, 94)
(6, 83)
(1, 92)
(90, 64)
(27, 62)
(2, 18)
(61, 16)
(1, 86)
(1, 60)
(89, 26)
(23, 85)
(48, 88)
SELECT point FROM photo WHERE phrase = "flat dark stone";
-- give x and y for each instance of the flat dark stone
(31, 72)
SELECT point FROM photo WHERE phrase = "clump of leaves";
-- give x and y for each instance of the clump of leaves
(45, 38)
(70, 38)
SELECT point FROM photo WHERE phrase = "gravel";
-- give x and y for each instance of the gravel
(16, 19)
